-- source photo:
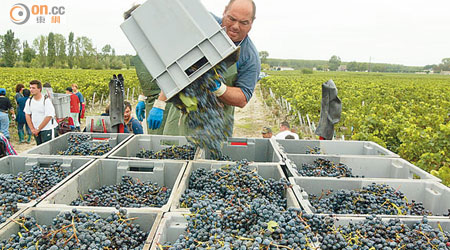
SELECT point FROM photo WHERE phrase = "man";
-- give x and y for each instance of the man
(39, 113)
(81, 98)
(240, 78)
(267, 132)
(74, 108)
(285, 130)
(5, 107)
(133, 125)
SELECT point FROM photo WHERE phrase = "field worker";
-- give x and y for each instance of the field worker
(82, 105)
(149, 89)
(240, 78)
(267, 132)
(19, 91)
(133, 125)
(5, 107)
(74, 108)
(40, 113)
(21, 120)
(285, 130)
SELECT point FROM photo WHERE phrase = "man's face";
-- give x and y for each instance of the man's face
(34, 89)
(127, 113)
(74, 89)
(237, 20)
(267, 135)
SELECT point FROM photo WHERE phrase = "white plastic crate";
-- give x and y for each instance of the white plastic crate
(395, 168)
(61, 143)
(434, 196)
(265, 170)
(109, 172)
(174, 224)
(148, 221)
(61, 102)
(251, 149)
(350, 148)
(148, 142)
(16, 164)
(178, 41)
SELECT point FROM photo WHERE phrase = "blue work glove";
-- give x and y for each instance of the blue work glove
(140, 111)
(155, 118)
(216, 87)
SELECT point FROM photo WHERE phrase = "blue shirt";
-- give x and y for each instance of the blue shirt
(248, 65)
(20, 114)
(134, 125)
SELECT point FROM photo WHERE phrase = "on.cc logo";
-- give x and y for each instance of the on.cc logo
(19, 13)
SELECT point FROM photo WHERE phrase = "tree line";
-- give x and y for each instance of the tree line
(335, 62)
(56, 51)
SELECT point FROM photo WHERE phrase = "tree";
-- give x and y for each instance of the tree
(106, 49)
(334, 62)
(10, 48)
(60, 48)
(70, 58)
(445, 65)
(28, 54)
(40, 45)
(263, 56)
(51, 51)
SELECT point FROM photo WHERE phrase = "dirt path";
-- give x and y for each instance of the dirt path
(249, 121)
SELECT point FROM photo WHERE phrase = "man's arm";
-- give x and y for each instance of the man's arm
(234, 97)
(30, 124)
(44, 123)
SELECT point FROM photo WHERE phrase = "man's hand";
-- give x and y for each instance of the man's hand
(13, 116)
(35, 132)
(219, 89)
(155, 117)
(140, 111)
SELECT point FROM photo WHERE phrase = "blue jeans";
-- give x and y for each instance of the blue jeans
(20, 128)
(4, 124)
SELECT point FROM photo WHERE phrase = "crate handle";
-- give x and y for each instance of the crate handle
(236, 143)
(141, 169)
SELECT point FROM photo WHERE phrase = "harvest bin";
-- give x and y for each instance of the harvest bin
(61, 143)
(155, 143)
(148, 221)
(16, 164)
(265, 170)
(353, 148)
(174, 224)
(252, 149)
(178, 41)
(109, 172)
(434, 196)
(61, 102)
(396, 168)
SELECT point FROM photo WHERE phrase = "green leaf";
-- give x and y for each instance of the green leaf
(272, 225)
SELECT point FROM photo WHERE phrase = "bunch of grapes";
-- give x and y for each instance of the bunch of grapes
(78, 230)
(185, 152)
(232, 184)
(80, 144)
(129, 193)
(371, 199)
(325, 168)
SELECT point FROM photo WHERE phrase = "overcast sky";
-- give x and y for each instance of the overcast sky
(408, 32)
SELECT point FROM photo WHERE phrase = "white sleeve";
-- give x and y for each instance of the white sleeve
(296, 136)
(49, 109)
(27, 109)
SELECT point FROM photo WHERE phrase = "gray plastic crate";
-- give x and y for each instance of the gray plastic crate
(351, 148)
(16, 164)
(395, 168)
(434, 196)
(266, 170)
(109, 172)
(174, 224)
(178, 41)
(60, 143)
(148, 221)
(21, 208)
(61, 102)
(148, 142)
(252, 149)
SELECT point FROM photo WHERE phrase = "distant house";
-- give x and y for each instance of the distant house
(447, 73)
(342, 68)
(283, 68)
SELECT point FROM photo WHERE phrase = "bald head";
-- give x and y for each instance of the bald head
(244, 4)
(238, 18)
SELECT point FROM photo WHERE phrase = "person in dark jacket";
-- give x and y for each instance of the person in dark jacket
(21, 120)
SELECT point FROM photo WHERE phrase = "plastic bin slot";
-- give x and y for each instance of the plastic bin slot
(140, 169)
(238, 144)
(196, 66)
(169, 142)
